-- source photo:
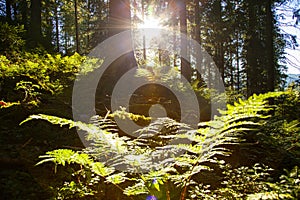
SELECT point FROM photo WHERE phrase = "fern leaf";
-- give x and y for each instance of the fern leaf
(101, 170)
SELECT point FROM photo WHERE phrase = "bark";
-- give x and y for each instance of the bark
(220, 37)
(252, 65)
(35, 29)
(88, 31)
(24, 14)
(76, 26)
(238, 61)
(119, 16)
(56, 27)
(48, 29)
(8, 10)
(186, 70)
(119, 21)
(270, 47)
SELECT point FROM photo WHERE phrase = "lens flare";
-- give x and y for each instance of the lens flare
(152, 197)
(150, 23)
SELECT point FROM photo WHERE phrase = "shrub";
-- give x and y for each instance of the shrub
(33, 75)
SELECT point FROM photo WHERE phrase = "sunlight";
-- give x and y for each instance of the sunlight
(151, 22)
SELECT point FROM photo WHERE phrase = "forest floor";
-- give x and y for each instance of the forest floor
(21, 145)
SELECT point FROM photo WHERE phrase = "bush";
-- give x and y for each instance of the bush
(11, 39)
(29, 76)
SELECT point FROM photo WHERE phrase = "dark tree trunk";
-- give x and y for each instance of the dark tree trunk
(56, 27)
(119, 21)
(219, 39)
(119, 16)
(8, 10)
(24, 14)
(197, 37)
(88, 26)
(48, 29)
(76, 26)
(252, 51)
(186, 70)
(238, 61)
(144, 37)
(35, 29)
(270, 47)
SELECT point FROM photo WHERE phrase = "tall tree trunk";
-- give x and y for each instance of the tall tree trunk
(119, 21)
(232, 71)
(24, 13)
(56, 26)
(174, 23)
(48, 29)
(8, 10)
(76, 26)
(88, 30)
(198, 39)
(219, 39)
(186, 70)
(144, 36)
(238, 61)
(270, 47)
(35, 29)
(251, 44)
(197, 36)
(119, 16)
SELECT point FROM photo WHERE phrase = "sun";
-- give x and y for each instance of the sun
(151, 22)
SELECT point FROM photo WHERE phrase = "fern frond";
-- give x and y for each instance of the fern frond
(136, 189)
(163, 147)
(105, 124)
(67, 156)
(63, 156)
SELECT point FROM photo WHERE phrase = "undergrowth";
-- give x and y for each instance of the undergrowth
(166, 157)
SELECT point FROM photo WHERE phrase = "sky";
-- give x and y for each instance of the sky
(288, 26)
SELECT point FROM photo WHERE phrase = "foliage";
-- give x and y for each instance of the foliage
(164, 176)
(283, 129)
(11, 39)
(34, 74)
(30, 93)
(289, 104)
(122, 114)
(251, 183)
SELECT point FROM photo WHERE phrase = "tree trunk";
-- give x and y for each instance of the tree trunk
(238, 61)
(197, 36)
(24, 14)
(8, 10)
(119, 21)
(56, 26)
(251, 44)
(119, 16)
(88, 30)
(48, 29)
(144, 37)
(76, 26)
(186, 70)
(219, 39)
(35, 29)
(270, 47)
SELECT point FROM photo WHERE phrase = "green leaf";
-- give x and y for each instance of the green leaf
(100, 169)
(116, 178)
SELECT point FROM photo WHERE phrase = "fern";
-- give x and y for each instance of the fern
(164, 147)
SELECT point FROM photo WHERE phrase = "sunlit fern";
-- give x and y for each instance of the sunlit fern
(177, 162)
